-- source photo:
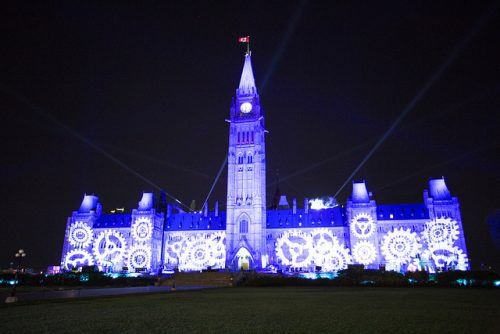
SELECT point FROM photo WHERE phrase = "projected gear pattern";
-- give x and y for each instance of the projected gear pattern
(203, 250)
(77, 258)
(174, 247)
(364, 252)
(109, 247)
(444, 255)
(400, 246)
(139, 257)
(328, 252)
(142, 229)
(80, 234)
(441, 230)
(294, 248)
(362, 226)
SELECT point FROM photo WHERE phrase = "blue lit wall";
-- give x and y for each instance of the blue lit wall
(318, 236)
(399, 237)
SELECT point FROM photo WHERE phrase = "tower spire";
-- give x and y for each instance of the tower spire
(247, 81)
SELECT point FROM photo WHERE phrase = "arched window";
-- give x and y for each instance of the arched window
(250, 160)
(243, 226)
(252, 136)
(238, 137)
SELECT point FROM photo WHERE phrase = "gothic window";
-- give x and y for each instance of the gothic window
(252, 136)
(249, 159)
(238, 137)
(243, 226)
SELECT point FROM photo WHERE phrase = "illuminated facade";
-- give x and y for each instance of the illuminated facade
(318, 236)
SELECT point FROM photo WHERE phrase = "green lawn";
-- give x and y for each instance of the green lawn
(271, 310)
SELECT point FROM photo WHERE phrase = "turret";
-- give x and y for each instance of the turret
(362, 219)
(90, 203)
(438, 190)
(360, 193)
(146, 203)
(443, 206)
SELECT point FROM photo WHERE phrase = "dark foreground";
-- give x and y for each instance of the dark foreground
(37, 294)
(271, 310)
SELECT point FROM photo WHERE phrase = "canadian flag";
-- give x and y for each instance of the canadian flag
(245, 39)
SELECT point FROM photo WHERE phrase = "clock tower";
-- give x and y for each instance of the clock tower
(246, 181)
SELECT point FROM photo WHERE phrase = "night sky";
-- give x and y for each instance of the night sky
(152, 86)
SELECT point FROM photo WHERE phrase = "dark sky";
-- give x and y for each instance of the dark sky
(152, 85)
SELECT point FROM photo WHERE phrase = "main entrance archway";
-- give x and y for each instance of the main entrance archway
(243, 258)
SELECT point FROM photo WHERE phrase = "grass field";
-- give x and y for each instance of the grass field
(271, 310)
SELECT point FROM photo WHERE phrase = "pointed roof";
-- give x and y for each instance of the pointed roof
(247, 81)
(360, 193)
(147, 202)
(439, 190)
(283, 203)
(89, 203)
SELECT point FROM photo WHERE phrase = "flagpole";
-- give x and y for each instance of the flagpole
(248, 47)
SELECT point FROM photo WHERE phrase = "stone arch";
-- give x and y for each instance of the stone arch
(243, 259)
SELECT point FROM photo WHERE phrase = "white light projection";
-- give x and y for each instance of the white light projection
(142, 229)
(414, 265)
(322, 203)
(328, 252)
(400, 247)
(109, 248)
(362, 226)
(299, 249)
(195, 252)
(294, 248)
(174, 247)
(441, 230)
(139, 257)
(77, 258)
(202, 251)
(364, 252)
(447, 257)
(440, 235)
(80, 234)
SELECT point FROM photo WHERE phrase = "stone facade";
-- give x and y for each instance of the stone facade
(319, 236)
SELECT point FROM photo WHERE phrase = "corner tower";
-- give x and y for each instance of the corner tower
(246, 180)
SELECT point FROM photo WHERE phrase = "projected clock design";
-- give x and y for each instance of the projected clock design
(246, 107)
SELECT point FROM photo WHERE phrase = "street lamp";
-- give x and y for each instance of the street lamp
(20, 255)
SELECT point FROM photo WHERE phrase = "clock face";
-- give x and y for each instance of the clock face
(246, 107)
